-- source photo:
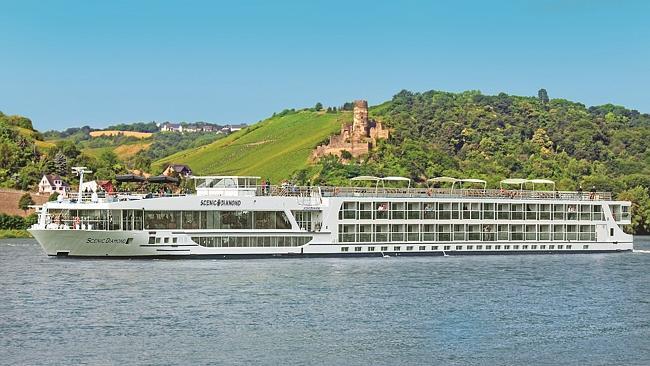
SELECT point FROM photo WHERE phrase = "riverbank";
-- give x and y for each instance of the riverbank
(11, 234)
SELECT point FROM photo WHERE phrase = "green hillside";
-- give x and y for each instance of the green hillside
(273, 148)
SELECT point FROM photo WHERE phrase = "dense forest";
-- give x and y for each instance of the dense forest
(470, 135)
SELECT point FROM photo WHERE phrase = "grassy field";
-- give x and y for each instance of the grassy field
(140, 135)
(31, 135)
(273, 148)
(11, 234)
(122, 151)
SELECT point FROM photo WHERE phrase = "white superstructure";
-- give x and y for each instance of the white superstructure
(231, 217)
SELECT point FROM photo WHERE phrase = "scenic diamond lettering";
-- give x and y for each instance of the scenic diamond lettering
(220, 202)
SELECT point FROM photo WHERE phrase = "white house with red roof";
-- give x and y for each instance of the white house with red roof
(51, 183)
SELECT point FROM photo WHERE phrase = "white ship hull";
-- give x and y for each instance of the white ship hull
(252, 222)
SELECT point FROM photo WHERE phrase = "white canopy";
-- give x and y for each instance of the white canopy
(474, 180)
(382, 180)
(514, 181)
(366, 177)
(541, 181)
(521, 182)
(396, 178)
(443, 179)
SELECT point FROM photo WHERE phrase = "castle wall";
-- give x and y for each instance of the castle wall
(358, 138)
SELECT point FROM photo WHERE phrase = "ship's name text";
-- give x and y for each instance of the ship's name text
(107, 241)
(220, 202)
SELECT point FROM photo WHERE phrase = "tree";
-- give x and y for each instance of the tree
(542, 142)
(25, 201)
(542, 95)
(640, 209)
(60, 164)
(319, 106)
(142, 163)
(346, 155)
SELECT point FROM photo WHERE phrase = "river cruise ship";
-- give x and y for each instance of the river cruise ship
(236, 217)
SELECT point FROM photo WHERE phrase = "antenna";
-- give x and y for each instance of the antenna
(80, 171)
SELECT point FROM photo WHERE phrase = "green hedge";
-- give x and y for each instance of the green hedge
(11, 222)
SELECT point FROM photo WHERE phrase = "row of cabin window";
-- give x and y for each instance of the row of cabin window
(463, 232)
(216, 220)
(467, 247)
(250, 241)
(133, 219)
(470, 210)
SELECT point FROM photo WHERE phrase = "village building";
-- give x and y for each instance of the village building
(171, 127)
(358, 138)
(178, 170)
(51, 183)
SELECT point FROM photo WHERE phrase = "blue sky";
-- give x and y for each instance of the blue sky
(70, 63)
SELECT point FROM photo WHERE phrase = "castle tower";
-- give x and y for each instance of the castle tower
(360, 121)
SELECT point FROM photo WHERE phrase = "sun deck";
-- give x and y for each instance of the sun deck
(326, 191)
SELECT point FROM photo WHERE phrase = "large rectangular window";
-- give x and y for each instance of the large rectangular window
(365, 233)
(397, 232)
(381, 232)
(444, 210)
(347, 233)
(413, 232)
(517, 232)
(191, 220)
(429, 232)
(397, 210)
(444, 232)
(488, 211)
(544, 232)
(531, 211)
(517, 211)
(459, 232)
(473, 232)
(236, 220)
(558, 212)
(365, 210)
(381, 210)
(251, 241)
(413, 210)
(162, 220)
(503, 211)
(544, 212)
(558, 232)
(429, 211)
(348, 211)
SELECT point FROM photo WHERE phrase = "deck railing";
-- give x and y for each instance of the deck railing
(462, 193)
(314, 193)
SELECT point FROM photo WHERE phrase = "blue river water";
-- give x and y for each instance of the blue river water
(482, 310)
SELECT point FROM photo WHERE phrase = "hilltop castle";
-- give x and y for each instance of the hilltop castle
(357, 138)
